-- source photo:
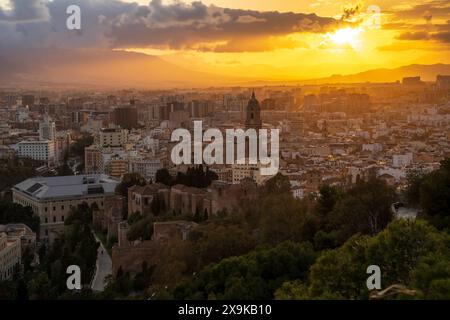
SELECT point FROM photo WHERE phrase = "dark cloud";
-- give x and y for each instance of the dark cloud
(442, 37)
(25, 10)
(421, 35)
(406, 22)
(255, 45)
(438, 33)
(178, 25)
(428, 10)
(427, 16)
(182, 25)
(350, 11)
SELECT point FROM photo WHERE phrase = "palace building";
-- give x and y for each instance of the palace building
(52, 198)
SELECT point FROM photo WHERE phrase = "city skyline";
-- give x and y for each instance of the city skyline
(243, 151)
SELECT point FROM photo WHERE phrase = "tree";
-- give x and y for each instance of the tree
(210, 176)
(120, 287)
(341, 273)
(282, 217)
(415, 179)
(156, 205)
(39, 287)
(15, 213)
(163, 176)
(409, 253)
(278, 184)
(328, 197)
(398, 249)
(77, 148)
(218, 242)
(64, 170)
(142, 280)
(177, 261)
(431, 277)
(194, 177)
(141, 229)
(15, 171)
(292, 290)
(128, 180)
(364, 208)
(255, 275)
(76, 246)
(435, 195)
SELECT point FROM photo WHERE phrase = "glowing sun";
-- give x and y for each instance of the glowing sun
(345, 36)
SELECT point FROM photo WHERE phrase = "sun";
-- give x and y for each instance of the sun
(345, 36)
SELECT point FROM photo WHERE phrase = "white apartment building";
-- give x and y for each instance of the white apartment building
(252, 171)
(401, 160)
(47, 130)
(145, 167)
(10, 254)
(298, 192)
(37, 150)
(372, 147)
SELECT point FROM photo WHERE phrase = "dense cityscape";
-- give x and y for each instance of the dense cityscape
(94, 206)
(109, 153)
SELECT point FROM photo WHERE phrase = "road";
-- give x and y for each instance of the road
(103, 268)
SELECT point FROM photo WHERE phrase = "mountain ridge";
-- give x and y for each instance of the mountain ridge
(117, 68)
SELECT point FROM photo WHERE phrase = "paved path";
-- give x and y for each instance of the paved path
(103, 268)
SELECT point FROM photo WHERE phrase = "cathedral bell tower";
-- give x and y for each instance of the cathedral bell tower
(253, 114)
(253, 121)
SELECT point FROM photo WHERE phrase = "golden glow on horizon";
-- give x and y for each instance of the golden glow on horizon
(352, 48)
(346, 50)
(345, 36)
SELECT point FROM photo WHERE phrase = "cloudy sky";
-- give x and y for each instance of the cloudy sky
(269, 39)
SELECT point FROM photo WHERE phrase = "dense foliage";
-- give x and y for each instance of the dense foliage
(252, 276)
(194, 177)
(275, 246)
(15, 171)
(15, 213)
(47, 280)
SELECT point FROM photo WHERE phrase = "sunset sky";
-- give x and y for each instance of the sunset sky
(270, 39)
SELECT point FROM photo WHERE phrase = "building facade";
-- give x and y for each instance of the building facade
(93, 160)
(37, 150)
(10, 254)
(113, 137)
(126, 117)
(146, 167)
(52, 198)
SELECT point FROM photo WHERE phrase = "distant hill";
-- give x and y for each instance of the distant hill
(426, 72)
(99, 68)
(51, 67)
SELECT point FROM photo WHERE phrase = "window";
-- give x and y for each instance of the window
(62, 218)
(54, 208)
(46, 220)
(62, 207)
(54, 219)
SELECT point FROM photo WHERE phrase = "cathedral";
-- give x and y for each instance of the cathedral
(253, 121)
(253, 114)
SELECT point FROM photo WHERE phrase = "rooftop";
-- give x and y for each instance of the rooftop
(43, 188)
